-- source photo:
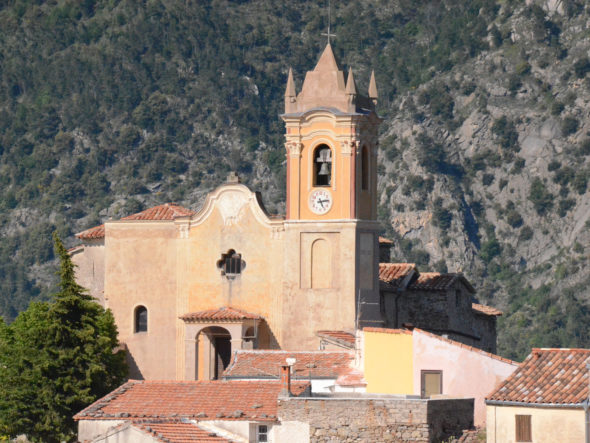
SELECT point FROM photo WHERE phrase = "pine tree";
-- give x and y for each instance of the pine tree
(56, 359)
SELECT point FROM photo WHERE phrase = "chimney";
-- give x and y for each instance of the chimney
(286, 381)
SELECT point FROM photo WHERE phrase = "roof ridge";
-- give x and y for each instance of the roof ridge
(469, 347)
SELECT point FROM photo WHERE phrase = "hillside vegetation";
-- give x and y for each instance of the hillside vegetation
(107, 107)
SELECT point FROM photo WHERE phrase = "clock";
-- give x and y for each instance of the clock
(320, 201)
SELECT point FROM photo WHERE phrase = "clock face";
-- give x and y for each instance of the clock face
(320, 201)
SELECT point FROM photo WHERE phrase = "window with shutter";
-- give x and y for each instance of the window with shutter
(523, 428)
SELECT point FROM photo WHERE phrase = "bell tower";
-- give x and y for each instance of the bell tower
(331, 141)
(331, 265)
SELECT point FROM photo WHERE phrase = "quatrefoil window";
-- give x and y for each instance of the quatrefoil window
(231, 264)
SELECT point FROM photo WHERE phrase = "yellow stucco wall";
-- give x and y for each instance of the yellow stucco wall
(389, 362)
(548, 425)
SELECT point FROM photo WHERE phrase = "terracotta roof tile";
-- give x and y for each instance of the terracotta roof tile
(167, 211)
(342, 338)
(435, 281)
(199, 400)
(384, 241)
(92, 233)
(394, 273)
(554, 376)
(225, 313)
(486, 310)
(178, 432)
(267, 364)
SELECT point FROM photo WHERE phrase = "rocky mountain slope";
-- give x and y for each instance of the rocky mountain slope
(109, 107)
(486, 170)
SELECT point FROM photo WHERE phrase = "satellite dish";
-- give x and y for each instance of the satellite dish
(291, 361)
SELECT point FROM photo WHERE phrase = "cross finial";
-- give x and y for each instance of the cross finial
(329, 34)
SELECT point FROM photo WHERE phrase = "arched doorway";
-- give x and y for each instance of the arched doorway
(213, 352)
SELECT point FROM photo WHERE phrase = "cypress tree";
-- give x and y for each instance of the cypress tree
(56, 359)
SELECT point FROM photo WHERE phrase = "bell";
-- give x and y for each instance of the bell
(324, 169)
(325, 155)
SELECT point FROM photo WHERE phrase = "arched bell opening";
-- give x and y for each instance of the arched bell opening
(322, 166)
(213, 352)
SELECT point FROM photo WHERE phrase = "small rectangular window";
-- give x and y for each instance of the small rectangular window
(431, 383)
(262, 433)
(523, 428)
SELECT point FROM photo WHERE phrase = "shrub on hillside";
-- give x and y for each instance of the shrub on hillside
(569, 125)
(541, 198)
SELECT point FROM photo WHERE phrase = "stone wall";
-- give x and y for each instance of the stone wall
(382, 419)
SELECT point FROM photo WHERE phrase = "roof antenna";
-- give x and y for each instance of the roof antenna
(328, 34)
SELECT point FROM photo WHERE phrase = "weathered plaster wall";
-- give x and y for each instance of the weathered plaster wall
(388, 362)
(140, 269)
(548, 425)
(466, 373)
(88, 429)
(378, 419)
(89, 259)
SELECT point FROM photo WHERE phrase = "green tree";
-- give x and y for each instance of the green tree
(57, 358)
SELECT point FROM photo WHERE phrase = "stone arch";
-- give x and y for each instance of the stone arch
(212, 353)
(321, 264)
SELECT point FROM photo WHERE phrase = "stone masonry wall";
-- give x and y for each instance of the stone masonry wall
(378, 419)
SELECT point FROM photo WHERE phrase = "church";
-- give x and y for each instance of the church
(188, 288)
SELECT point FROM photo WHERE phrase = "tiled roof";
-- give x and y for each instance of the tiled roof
(225, 313)
(554, 376)
(384, 241)
(343, 338)
(167, 211)
(435, 281)
(353, 378)
(485, 310)
(178, 432)
(199, 400)
(267, 364)
(394, 273)
(92, 233)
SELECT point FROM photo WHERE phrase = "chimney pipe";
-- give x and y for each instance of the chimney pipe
(286, 381)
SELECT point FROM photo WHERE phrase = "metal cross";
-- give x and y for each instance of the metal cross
(328, 34)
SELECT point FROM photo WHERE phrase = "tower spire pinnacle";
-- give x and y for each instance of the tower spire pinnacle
(350, 84)
(290, 93)
(373, 95)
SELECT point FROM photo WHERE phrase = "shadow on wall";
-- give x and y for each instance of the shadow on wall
(134, 372)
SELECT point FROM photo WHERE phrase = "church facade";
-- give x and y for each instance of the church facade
(187, 288)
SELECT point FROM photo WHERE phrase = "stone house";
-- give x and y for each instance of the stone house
(439, 303)
(547, 399)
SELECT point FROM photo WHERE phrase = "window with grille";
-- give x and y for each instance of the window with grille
(231, 264)
(262, 433)
(523, 428)
(141, 319)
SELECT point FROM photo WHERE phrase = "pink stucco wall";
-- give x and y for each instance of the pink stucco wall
(467, 372)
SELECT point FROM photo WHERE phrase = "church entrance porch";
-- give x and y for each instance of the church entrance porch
(212, 336)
